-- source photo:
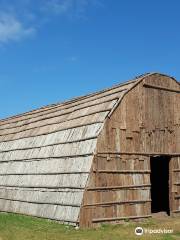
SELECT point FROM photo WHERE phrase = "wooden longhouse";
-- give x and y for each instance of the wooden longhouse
(104, 157)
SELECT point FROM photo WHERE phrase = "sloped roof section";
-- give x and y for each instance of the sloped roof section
(46, 154)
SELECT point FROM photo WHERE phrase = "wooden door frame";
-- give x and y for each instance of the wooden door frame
(171, 193)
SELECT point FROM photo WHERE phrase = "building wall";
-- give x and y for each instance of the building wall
(146, 121)
(46, 155)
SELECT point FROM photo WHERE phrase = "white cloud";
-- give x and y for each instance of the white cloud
(13, 29)
(20, 19)
(58, 6)
(70, 7)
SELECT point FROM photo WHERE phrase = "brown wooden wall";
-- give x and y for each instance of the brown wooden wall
(146, 121)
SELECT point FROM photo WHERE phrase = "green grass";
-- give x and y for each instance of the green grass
(18, 227)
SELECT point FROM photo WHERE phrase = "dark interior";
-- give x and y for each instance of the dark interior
(160, 184)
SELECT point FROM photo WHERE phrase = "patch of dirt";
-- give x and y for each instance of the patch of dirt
(160, 215)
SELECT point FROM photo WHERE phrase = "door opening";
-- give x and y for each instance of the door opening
(160, 184)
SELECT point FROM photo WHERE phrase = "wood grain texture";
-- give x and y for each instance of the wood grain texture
(145, 123)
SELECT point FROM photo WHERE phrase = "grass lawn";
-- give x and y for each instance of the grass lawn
(17, 227)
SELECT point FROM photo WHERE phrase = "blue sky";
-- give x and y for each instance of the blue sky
(52, 50)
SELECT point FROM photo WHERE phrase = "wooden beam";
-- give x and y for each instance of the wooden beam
(43, 203)
(117, 187)
(177, 197)
(46, 187)
(176, 211)
(37, 174)
(47, 158)
(35, 189)
(177, 183)
(119, 218)
(160, 88)
(116, 203)
(138, 153)
(122, 171)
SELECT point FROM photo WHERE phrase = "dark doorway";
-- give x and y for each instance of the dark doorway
(160, 184)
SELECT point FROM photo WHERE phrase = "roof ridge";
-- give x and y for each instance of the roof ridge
(68, 101)
(78, 98)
